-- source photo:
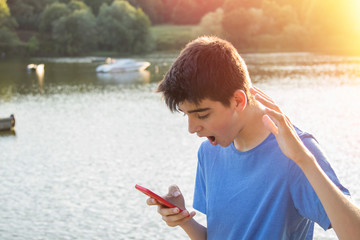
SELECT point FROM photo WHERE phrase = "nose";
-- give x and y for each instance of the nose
(193, 125)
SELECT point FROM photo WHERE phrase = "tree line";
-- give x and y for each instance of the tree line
(71, 28)
(75, 27)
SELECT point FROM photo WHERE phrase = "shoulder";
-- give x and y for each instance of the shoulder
(303, 134)
(312, 144)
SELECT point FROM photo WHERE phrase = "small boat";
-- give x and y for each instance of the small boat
(35, 67)
(124, 77)
(123, 65)
(7, 124)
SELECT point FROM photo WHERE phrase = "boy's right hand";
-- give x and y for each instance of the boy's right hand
(172, 216)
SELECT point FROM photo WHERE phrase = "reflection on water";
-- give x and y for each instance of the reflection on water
(304, 68)
(7, 133)
(85, 140)
(125, 77)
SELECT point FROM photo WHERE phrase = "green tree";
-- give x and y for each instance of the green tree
(52, 13)
(77, 5)
(5, 17)
(76, 33)
(95, 4)
(143, 40)
(33, 45)
(28, 12)
(154, 9)
(123, 28)
(9, 41)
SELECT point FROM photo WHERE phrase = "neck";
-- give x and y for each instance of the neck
(253, 132)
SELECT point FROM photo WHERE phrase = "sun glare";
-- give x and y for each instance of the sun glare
(356, 14)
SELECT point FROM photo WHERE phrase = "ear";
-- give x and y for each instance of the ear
(240, 99)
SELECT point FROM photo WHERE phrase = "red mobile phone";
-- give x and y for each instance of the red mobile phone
(155, 196)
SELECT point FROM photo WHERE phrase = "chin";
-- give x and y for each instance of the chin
(224, 144)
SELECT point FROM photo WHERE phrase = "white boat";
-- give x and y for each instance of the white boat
(123, 65)
(124, 77)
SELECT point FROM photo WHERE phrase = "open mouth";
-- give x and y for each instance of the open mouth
(212, 140)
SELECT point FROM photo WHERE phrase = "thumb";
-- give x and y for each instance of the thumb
(174, 191)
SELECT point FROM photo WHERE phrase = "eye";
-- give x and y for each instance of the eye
(204, 116)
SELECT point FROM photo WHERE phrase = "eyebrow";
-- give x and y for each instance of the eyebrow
(197, 110)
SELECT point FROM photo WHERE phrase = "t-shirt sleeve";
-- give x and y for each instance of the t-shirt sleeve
(305, 199)
(200, 187)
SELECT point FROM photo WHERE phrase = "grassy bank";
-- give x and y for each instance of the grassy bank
(172, 37)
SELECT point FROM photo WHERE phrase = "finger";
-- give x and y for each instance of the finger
(178, 218)
(281, 120)
(267, 103)
(151, 201)
(174, 191)
(164, 211)
(277, 117)
(270, 125)
(254, 90)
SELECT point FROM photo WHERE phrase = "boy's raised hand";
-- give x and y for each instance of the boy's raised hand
(279, 124)
(172, 216)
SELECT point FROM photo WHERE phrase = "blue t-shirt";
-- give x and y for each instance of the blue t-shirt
(260, 193)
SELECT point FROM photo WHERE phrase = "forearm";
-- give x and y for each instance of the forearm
(343, 214)
(194, 230)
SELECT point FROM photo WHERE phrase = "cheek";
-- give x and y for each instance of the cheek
(225, 124)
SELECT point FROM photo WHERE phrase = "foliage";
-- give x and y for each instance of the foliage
(9, 41)
(155, 9)
(123, 28)
(191, 12)
(67, 26)
(241, 25)
(28, 12)
(211, 24)
(51, 14)
(185, 12)
(5, 17)
(176, 11)
(74, 5)
(95, 4)
(33, 45)
(267, 24)
(75, 34)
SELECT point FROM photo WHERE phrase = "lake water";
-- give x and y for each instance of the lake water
(83, 140)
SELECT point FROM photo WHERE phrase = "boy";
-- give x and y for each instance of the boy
(248, 183)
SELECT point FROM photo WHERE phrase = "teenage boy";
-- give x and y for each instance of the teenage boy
(248, 180)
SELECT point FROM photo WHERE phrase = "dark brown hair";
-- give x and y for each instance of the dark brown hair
(208, 67)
